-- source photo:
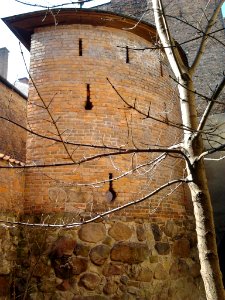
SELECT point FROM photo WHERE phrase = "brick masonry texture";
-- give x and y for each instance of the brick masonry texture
(11, 190)
(145, 252)
(211, 67)
(13, 138)
(61, 77)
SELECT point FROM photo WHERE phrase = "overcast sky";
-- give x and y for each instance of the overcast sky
(7, 39)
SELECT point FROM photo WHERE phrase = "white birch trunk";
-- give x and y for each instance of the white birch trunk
(193, 147)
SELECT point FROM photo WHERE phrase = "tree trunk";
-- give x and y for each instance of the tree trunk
(203, 212)
(205, 230)
(193, 147)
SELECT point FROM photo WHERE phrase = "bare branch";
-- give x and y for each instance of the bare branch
(210, 34)
(53, 6)
(101, 155)
(210, 104)
(146, 115)
(58, 140)
(101, 215)
(202, 45)
(215, 159)
(46, 107)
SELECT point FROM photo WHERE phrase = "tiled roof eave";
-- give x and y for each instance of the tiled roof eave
(8, 158)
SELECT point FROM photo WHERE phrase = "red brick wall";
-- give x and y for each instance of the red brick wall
(11, 189)
(211, 68)
(61, 76)
(13, 138)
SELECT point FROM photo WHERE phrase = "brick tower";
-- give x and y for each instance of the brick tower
(179, 14)
(89, 90)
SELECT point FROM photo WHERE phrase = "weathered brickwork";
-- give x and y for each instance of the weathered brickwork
(11, 189)
(88, 80)
(211, 67)
(61, 76)
(12, 107)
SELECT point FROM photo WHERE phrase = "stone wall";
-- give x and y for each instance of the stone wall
(13, 107)
(110, 260)
(9, 239)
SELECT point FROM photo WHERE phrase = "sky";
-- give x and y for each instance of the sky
(16, 68)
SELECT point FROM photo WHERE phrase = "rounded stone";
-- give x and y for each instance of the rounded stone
(79, 265)
(99, 254)
(140, 231)
(62, 246)
(90, 281)
(171, 229)
(160, 272)
(145, 275)
(195, 270)
(181, 248)
(82, 250)
(113, 269)
(130, 253)
(110, 287)
(120, 231)
(124, 279)
(92, 233)
(178, 269)
(162, 248)
(156, 232)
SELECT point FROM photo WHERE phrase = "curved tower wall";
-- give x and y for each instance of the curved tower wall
(147, 251)
(184, 19)
(65, 78)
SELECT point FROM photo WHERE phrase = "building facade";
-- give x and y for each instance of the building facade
(187, 23)
(91, 97)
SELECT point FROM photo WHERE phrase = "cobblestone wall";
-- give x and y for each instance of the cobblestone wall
(110, 260)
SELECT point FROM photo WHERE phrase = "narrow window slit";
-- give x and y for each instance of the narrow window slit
(88, 105)
(111, 194)
(161, 68)
(80, 47)
(127, 55)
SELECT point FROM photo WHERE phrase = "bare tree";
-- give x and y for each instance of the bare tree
(193, 147)
(188, 148)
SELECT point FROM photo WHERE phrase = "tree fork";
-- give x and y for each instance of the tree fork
(193, 147)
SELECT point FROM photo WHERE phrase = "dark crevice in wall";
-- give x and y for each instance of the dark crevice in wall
(161, 68)
(88, 105)
(111, 193)
(127, 55)
(80, 47)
